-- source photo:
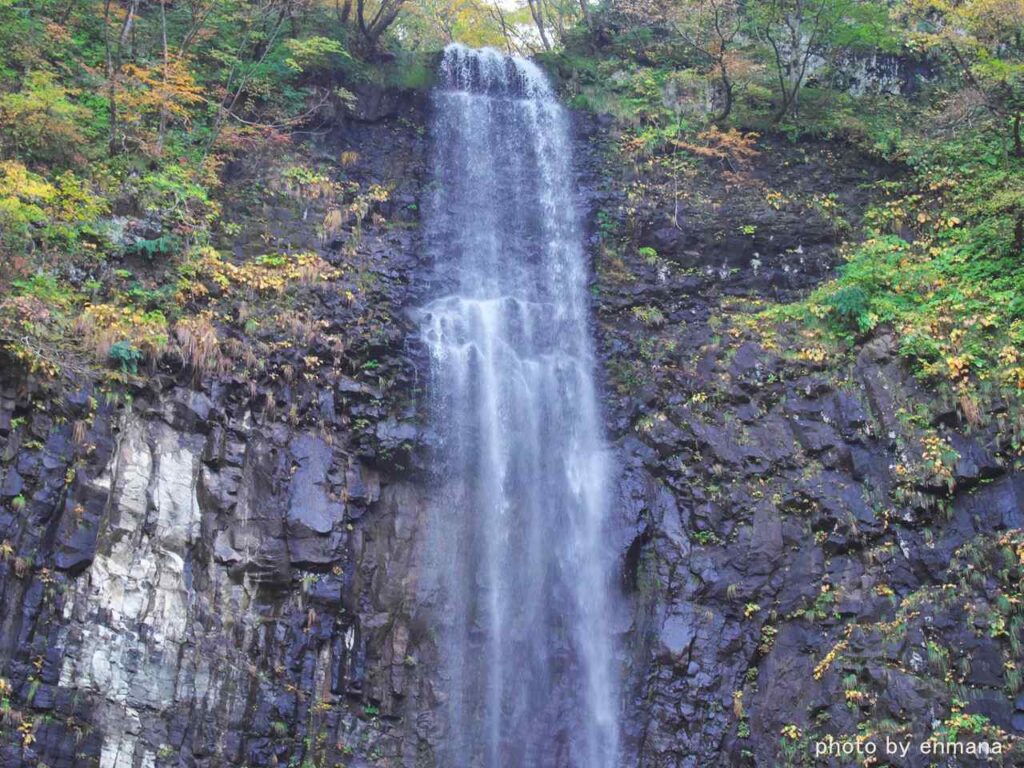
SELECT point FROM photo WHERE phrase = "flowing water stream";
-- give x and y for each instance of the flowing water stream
(518, 554)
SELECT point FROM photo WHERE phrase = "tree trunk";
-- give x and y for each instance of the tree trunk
(780, 72)
(111, 82)
(784, 107)
(537, 11)
(129, 22)
(726, 95)
(585, 10)
(372, 30)
(162, 132)
(343, 11)
(497, 12)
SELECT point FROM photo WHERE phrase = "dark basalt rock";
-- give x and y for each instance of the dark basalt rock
(213, 577)
(803, 539)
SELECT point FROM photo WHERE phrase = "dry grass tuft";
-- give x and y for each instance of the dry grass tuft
(200, 346)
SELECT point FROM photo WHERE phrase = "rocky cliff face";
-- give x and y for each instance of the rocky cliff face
(224, 572)
(803, 562)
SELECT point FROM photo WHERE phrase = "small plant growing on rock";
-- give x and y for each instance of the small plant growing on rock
(767, 639)
(126, 357)
(707, 537)
(850, 308)
(737, 705)
(1013, 676)
(649, 315)
(824, 604)
(938, 658)
(649, 255)
(960, 722)
(27, 736)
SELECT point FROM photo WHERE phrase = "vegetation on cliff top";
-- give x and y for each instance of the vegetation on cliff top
(932, 90)
(118, 121)
(122, 243)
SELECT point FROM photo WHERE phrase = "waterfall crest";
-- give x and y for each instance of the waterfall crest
(518, 555)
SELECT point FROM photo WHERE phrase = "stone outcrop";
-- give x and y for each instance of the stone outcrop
(800, 565)
(223, 573)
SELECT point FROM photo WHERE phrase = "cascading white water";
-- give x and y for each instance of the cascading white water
(519, 556)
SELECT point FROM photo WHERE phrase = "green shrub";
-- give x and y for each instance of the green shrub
(126, 357)
(850, 307)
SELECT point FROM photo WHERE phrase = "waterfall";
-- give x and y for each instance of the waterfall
(518, 553)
